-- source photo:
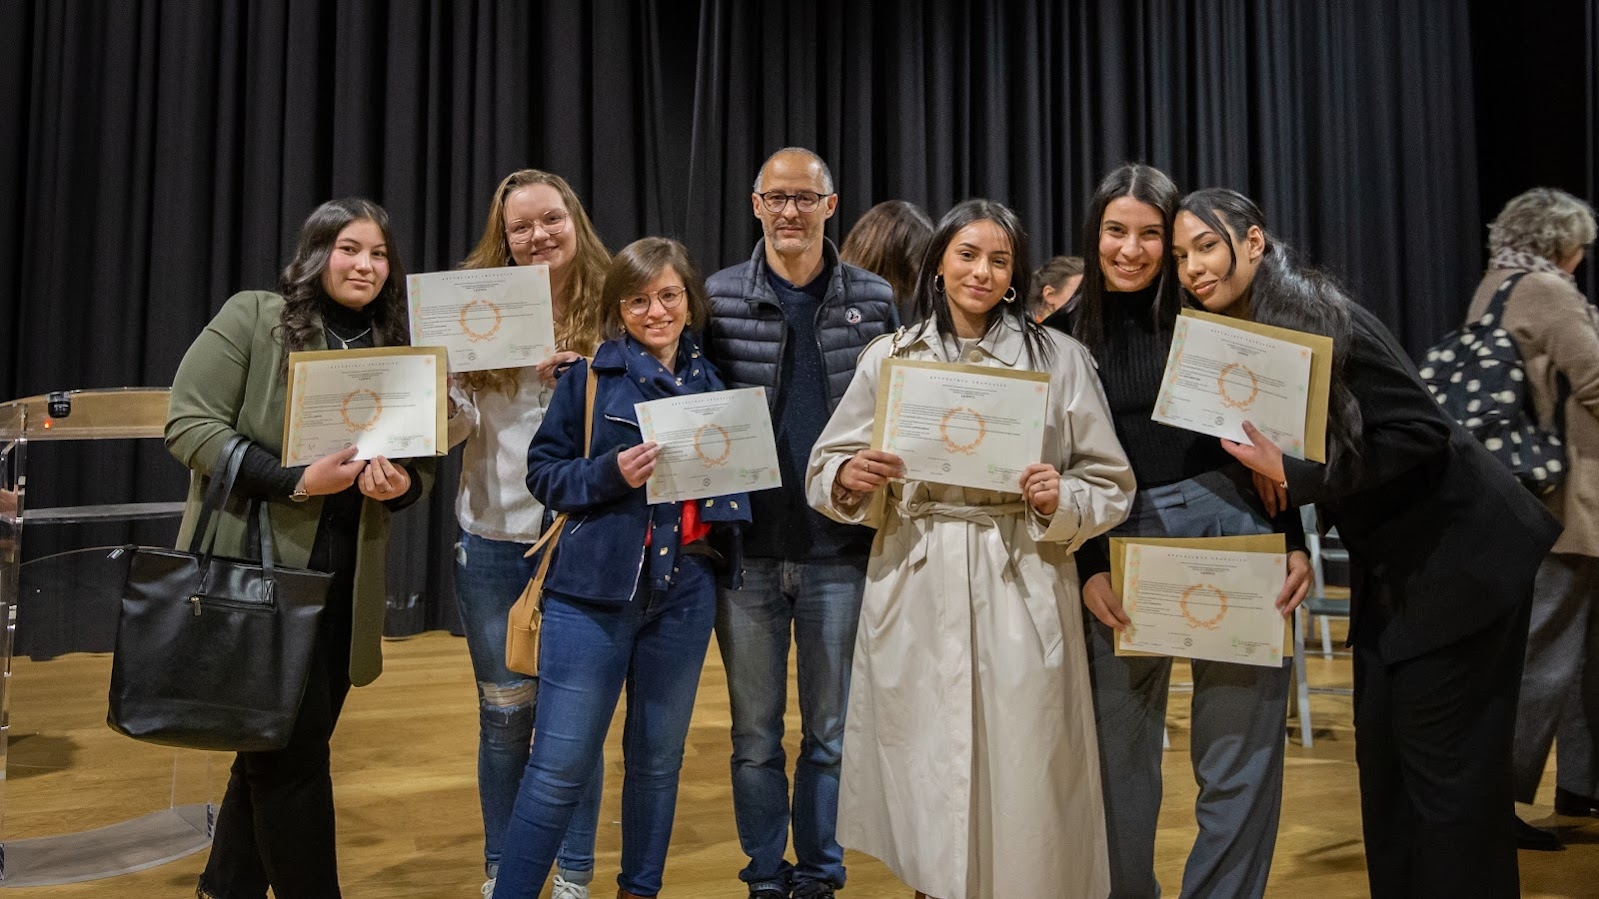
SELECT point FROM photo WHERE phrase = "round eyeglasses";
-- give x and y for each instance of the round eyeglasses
(776, 201)
(522, 232)
(670, 297)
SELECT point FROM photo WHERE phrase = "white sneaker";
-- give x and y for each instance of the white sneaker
(488, 888)
(565, 889)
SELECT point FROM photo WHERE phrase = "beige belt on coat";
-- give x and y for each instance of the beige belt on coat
(1041, 608)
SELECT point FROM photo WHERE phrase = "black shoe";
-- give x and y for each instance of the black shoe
(815, 889)
(768, 894)
(1536, 838)
(1575, 805)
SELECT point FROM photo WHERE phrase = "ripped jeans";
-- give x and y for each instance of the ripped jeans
(489, 576)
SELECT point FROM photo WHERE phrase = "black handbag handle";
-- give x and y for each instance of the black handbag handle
(216, 494)
(223, 474)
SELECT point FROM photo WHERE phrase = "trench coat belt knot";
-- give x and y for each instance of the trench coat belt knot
(1041, 606)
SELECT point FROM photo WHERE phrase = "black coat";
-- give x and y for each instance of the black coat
(747, 332)
(1442, 538)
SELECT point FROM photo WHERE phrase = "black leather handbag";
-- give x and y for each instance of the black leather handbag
(212, 652)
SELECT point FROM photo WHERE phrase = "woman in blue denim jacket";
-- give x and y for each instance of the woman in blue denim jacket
(631, 594)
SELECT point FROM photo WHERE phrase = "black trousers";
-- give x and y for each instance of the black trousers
(275, 827)
(1433, 738)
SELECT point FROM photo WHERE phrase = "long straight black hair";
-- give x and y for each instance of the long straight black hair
(1289, 295)
(1147, 185)
(933, 305)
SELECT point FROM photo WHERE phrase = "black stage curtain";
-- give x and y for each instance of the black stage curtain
(161, 155)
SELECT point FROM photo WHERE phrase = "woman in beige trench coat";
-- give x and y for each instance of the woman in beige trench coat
(970, 764)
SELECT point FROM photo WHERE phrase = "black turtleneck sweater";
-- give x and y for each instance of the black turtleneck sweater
(1132, 358)
(263, 476)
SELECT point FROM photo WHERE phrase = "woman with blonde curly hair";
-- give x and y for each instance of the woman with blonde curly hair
(534, 219)
(1536, 244)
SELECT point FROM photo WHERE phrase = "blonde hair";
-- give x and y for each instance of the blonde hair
(578, 328)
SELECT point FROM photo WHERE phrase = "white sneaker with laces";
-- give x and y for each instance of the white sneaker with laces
(488, 888)
(565, 889)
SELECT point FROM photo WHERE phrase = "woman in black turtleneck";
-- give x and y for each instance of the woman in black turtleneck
(1187, 487)
(343, 290)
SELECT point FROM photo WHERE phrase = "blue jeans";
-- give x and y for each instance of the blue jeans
(654, 644)
(489, 576)
(816, 604)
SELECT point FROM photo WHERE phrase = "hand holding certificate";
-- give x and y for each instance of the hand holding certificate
(965, 425)
(486, 318)
(1222, 372)
(387, 402)
(1189, 598)
(711, 444)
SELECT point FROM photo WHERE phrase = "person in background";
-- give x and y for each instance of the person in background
(1054, 286)
(889, 240)
(534, 219)
(344, 289)
(792, 320)
(630, 596)
(970, 766)
(1187, 487)
(1543, 235)
(1444, 543)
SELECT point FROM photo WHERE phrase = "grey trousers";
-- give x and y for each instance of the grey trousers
(1240, 718)
(1559, 701)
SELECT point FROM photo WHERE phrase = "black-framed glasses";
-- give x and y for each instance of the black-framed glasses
(805, 201)
(522, 232)
(670, 298)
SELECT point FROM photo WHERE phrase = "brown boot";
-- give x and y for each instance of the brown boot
(624, 894)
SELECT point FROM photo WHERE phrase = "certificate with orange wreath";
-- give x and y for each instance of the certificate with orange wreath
(1222, 372)
(712, 444)
(966, 425)
(1206, 598)
(388, 401)
(486, 318)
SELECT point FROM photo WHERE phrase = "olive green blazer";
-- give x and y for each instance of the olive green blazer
(232, 381)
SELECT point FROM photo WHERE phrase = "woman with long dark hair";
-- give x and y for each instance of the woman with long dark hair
(1444, 544)
(342, 290)
(535, 218)
(1187, 487)
(969, 764)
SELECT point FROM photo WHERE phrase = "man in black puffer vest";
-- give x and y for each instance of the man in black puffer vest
(793, 319)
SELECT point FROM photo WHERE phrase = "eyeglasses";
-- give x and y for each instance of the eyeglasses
(670, 297)
(522, 232)
(804, 201)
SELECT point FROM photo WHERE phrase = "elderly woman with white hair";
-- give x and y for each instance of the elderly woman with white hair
(1542, 235)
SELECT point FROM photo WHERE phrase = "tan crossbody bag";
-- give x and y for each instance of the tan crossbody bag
(522, 626)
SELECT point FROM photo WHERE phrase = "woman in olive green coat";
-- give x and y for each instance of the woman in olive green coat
(345, 289)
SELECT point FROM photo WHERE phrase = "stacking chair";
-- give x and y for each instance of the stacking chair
(1325, 602)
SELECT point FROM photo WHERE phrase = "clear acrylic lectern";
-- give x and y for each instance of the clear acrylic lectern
(79, 801)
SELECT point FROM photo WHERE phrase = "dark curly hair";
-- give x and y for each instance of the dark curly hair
(301, 281)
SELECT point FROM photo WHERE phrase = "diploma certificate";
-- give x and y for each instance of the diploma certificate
(486, 318)
(387, 401)
(1203, 603)
(1219, 376)
(712, 444)
(965, 425)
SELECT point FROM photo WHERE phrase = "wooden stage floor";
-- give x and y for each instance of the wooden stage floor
(404, 774)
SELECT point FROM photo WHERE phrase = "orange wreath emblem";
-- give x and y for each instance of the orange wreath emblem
(1221, 386)
(372, 420)
(475, 335)
(955, 446)
(727, 444)
(1208, 624)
